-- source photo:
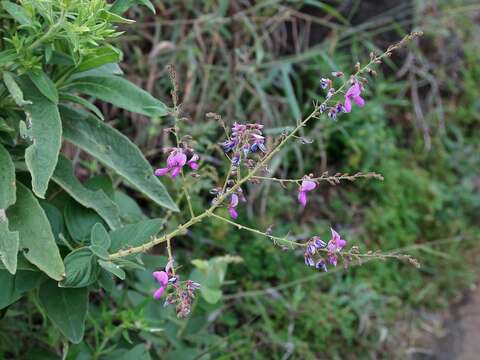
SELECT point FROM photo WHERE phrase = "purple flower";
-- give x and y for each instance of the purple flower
(321, 265)
(193, 162)
(335, 244)
(307, 185)
(162, 279)
(308, 259)
(337, 240)
(324, 83)
(233, 204)
(319, 243)
(175, 162)
(354, 94)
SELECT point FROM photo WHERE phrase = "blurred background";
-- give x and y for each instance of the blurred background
(261, 61)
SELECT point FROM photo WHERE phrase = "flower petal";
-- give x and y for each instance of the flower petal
(302, 198)
(233, 213)
(308, 185)
(348, 104)
(161, 171)
(180, 159)
(176, 170)
(158, 293)
(233, 201)
(161, 277)
(359, 101)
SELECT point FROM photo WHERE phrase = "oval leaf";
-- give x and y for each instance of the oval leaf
(112, 268)
(36, 238)
(119, 92)
(100, 237)
(96, 200)
(135, 234)
(44, 84)
(9, 244)
(46, 134)
(7, 179)
(14, 286)
(81, 269)
(115, 151)
(66, 308)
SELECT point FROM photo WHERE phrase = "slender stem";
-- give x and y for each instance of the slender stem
(243, 227)
(324, 177)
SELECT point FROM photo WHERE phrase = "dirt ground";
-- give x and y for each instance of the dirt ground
(462, 332)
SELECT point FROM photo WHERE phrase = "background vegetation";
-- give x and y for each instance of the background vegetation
(262, 62)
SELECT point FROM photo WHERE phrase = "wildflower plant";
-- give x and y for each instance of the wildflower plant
(64, 238)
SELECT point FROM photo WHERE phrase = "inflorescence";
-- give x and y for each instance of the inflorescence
(245, 147)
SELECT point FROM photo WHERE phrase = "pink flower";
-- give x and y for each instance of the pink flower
(233, 204)
(307, 185)
(353, 94)
(335, 244)
(175, 162)
(162, 279)
(193, 162)
(337, 240)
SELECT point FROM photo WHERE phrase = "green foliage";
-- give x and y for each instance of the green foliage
(54, 53)
(66, 308)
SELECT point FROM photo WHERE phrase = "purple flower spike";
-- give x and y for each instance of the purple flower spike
(307, 185)
(353, 94)
(233, 204)
(193, 162)
(162, 279)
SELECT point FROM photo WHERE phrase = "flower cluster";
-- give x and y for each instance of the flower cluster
(176, 160)
(316, 245)
(182, 294)
(352, 94)
(245, 138)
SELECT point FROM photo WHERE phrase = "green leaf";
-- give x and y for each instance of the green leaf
(81, 269)
(135, 234)
(129, 210)
(114, 18)
(212, 296)
(17, 12)
(7, 56)
(46, 134)
(66, 308)
(55, 218)
(100, 241)
(85, 103)
(36, 239)
(120, 6)
(44, 84)
(96, 200)
(99, 252)
(14, 89)
(100, 237)
(119, 92)
(112, 268)
(14, 286)
(22, 264)
(80, 220)
(115, 151)
(9, 244)
(7, 179)
(101, 56)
